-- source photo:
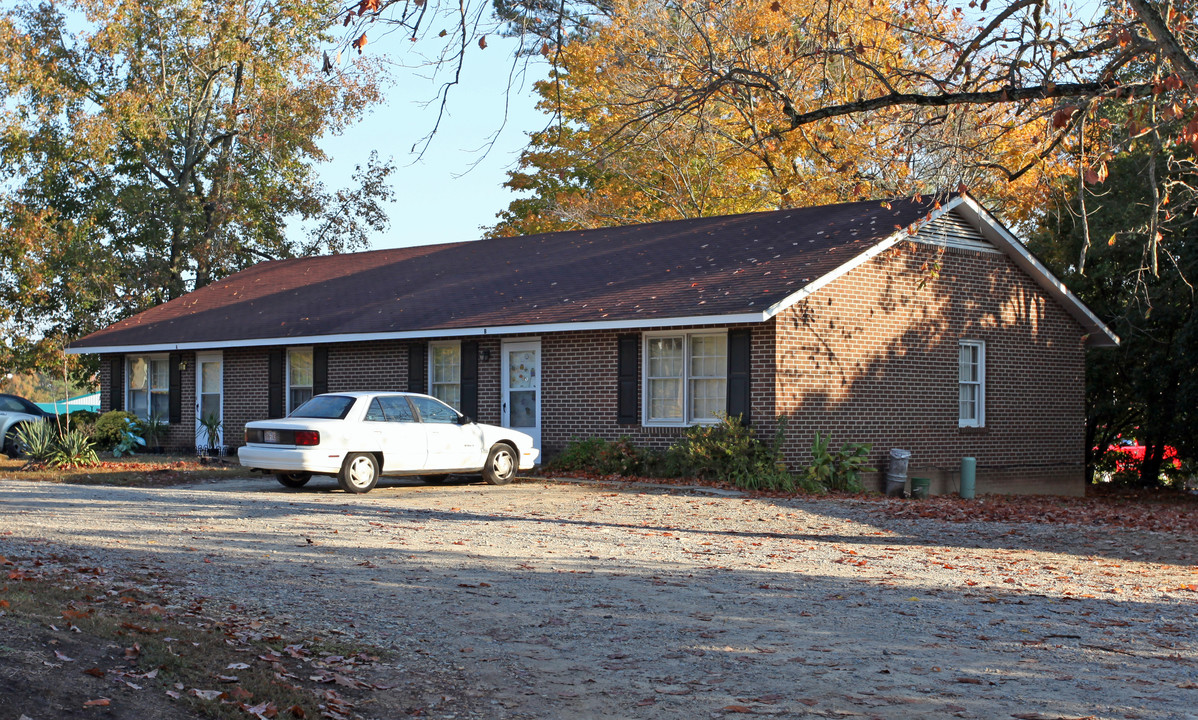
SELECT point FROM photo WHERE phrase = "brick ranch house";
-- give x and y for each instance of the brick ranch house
(910, 324)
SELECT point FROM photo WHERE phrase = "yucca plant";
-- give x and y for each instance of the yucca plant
(38, 440)
(75, 449)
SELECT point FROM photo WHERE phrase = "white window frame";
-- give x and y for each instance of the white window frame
(166, 389)
(980, 419)
(432, 387)
(688, 418)
(287, 376)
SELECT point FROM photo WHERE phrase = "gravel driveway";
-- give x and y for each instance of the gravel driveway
(574, 600)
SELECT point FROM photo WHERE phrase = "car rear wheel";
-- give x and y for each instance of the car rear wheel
(359, 474)
(501, 465)
(293, 479)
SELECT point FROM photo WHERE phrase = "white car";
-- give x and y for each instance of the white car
(359, 436)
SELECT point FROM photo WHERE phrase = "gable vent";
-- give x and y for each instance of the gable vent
(952, 230)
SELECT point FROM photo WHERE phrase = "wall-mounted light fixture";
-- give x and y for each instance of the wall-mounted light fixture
(486, 354)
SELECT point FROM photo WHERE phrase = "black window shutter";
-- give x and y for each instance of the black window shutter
(628, 379)
(275, 367)
(417, 352)
(116, 371)
(740, 346)
(174, 411)
(470, 379)
(320, 370)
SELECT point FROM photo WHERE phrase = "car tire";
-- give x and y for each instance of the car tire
(359, 474)
(293, 479)
(12, 446)
(501, 465)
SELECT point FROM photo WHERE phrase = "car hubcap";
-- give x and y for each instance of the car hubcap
(503, 464)
(361, 473)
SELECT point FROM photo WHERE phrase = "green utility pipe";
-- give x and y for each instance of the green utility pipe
(969, 473)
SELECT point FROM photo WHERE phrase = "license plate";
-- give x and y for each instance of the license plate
(270, 436)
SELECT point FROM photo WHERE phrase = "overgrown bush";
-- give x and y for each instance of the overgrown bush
(85, 422)
(110, 428)
(730, 452)
(837, 470)
(603, 457)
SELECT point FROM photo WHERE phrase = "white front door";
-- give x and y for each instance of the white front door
(521, 398)
(209, 399)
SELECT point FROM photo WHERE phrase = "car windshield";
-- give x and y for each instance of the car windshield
(333, 407)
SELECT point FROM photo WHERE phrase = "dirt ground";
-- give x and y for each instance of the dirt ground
(567, 600)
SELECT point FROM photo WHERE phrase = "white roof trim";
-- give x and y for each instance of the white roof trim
(812, 287)
(431, 334)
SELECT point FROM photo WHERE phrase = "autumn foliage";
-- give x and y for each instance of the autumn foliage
(687, 109)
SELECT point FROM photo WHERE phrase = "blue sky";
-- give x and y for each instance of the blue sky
(443, 197)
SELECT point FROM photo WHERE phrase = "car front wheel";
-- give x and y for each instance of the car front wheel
(359, 474)
(13, 447)
(501, 465)
(293, 479)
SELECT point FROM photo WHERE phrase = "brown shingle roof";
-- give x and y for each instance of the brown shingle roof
(686, 268)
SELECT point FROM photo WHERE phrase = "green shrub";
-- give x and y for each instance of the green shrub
(110, 428)
(840, 470)
(603, 457)
(730, 452)
(84, 421)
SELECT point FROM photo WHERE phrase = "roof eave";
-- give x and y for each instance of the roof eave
(527, 329)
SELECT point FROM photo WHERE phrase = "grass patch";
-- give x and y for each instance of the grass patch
(77, 639)
(135, 471)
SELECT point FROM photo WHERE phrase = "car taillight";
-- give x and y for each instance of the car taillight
(307, 437)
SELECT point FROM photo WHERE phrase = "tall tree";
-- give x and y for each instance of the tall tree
(1007, 63)
(149, 147)
(642, 158)
(1147, 388)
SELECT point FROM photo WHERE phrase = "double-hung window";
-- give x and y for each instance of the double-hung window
(445, 373)
(971, 383)
(148, 386)
(299, 377)
(686, 377)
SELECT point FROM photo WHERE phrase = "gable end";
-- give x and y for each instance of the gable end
(953, 230)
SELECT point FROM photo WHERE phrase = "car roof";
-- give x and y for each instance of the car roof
(31, 407)
(366, 393)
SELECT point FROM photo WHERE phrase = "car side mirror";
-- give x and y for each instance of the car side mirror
(464, 420)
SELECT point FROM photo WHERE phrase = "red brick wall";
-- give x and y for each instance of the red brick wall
(578, 387)
(873, 358)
